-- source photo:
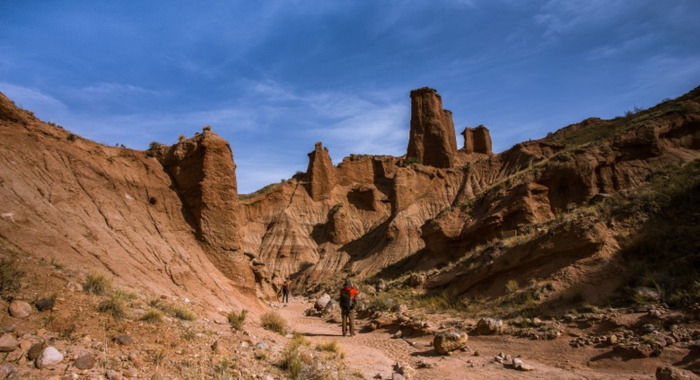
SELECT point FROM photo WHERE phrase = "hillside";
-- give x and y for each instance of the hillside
(600, 213)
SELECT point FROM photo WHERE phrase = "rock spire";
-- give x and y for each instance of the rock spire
(432, 139)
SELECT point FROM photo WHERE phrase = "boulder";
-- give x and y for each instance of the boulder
(86, 361)
(489, 326)
(8, 343)
(20, 309)
(673, 373)
(35, 350)
(322, 301)
(44, 304)
(49, 357)
(448, 341)
(332, 307)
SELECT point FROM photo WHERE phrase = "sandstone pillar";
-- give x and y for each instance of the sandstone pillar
(432, 138)
(321, 173)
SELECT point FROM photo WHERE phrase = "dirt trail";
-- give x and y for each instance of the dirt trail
(375, 352)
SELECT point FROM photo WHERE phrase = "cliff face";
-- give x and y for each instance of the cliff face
(99, 209)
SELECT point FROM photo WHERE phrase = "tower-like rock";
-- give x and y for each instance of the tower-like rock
(204, 173)
(477, 140)
(432, 139)
(321, 173)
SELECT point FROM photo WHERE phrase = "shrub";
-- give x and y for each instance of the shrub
(206, 128)
(9, 279)
(274, 322)
(97, 284)
(70, 137)
(331, 346)
(512, 286)
(152, 316)
(184, 313)
(236, 319)
(115, 305)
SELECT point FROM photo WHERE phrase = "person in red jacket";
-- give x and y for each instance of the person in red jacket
(347, 307)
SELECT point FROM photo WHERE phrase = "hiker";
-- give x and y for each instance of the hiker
(347, 307)
(285, 291)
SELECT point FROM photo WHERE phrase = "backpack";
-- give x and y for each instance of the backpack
(345, 298)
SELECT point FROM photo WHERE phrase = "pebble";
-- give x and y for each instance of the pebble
(49, 357)
(8, 343)
(20, 309)
(86, 361)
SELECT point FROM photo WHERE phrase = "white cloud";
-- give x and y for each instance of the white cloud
(33, 100)
(562, 16)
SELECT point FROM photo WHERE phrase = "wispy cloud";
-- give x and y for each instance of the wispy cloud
(33, 99)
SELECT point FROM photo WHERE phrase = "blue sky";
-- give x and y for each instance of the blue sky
(274, 77)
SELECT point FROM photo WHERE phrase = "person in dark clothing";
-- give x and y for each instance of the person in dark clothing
(285, 291)
(347, 307)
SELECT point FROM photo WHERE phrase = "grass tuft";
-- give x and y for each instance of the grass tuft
(236, 319)
(274, 322)
(97, 284)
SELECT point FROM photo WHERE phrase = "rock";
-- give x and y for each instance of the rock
(405, 370)
(399, 308)
(321, 173)
(416, 279)
(477, 140)
(449, 341)
(35, 350)
(520, 366)
(44, 304)
(612, 339)
(8, 343)
(432, 139)
(673, 373)
(648, 328)
(7, 370)
(397, 376)
(74, 286)
(332, 308)
(131, 373)
(49, 357)
(381, 285)
(20, 309)
(262, 346)
(646, 293)
(489, 326)
(397, 334)
(122, 339)
(113, 375)
(86, 361)
(322, 301)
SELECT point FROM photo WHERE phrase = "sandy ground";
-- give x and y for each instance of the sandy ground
(375, 352)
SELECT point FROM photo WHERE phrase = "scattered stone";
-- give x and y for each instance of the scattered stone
(20, 309)
(404, 370)
(397, 376)
(35, 350)
(71, 376)
(612, 339)
(448, 341)
(322, 301)
(113, 375)
(122, 339)
(520, 366)
(86, 361)
(332, 308)
(425, 364)
(7, 370)
(49, 357)
(489, 326)
(673, 373)
(8, 343)
(381, 285)
(74, 286)
(44, 304)
(262, 346)
(397, 334)
(131, 373)
(647, 293)
(648, 328)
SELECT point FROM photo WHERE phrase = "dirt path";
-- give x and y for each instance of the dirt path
(375, 352)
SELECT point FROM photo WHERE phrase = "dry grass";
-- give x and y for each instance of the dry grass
(10, 278)
(274, 322)
(236, 319)
(97, 284)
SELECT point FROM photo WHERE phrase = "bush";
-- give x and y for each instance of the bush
(115, 305)
(152, 316)
(97, 284)
(184, 313)
(274, 322)
(9, 279)
(236, 319)
(331, 346)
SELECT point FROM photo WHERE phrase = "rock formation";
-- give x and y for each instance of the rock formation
(321, 173)
(477, 140)
(204, 173)
(432, 138)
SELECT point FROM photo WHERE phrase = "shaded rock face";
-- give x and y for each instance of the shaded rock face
(204, 173)
(321, 173)
(477, 140)
(432, 138)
